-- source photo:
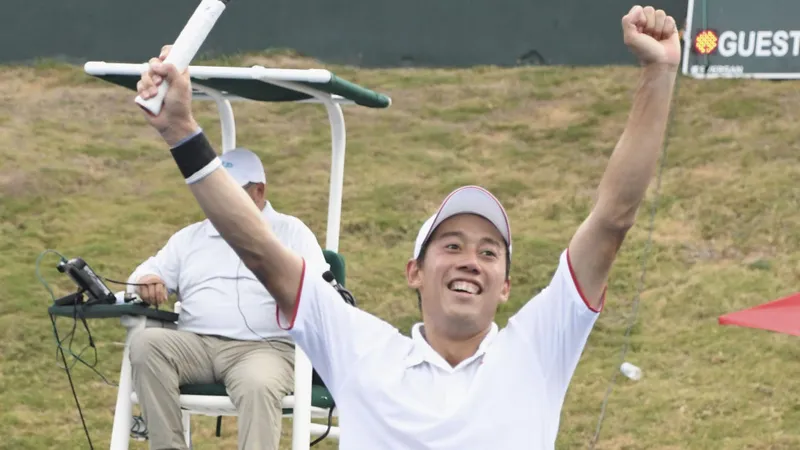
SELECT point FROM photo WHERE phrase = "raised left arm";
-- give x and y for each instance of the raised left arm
(653, 37)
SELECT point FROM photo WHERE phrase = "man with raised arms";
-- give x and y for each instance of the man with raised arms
(458, 382)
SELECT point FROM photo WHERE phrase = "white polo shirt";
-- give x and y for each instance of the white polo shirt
(396, 392)
(198, 265)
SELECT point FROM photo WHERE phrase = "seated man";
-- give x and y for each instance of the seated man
(227, 330)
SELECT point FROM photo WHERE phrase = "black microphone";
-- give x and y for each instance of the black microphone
(328, 276)
(346, 295)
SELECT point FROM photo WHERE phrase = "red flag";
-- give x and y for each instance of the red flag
(782, 315)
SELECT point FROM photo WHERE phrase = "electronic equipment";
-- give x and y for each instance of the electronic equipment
(88, 282)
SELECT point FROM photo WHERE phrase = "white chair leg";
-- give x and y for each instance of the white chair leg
(186, 417)
(123, 412)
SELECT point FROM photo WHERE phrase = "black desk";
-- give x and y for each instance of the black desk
(101, 311)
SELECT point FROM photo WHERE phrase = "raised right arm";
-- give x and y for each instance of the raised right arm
(225, 203)
(247, 231)
(335, 336)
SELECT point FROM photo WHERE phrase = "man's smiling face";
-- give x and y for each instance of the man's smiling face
(462, 276)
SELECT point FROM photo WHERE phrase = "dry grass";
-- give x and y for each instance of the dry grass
(83, 174)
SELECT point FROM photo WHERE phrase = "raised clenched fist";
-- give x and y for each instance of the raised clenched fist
(652, 36)
(175, 121)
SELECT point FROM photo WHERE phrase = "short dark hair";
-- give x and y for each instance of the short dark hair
(421, 260)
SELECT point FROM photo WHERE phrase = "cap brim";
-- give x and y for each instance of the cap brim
(469, 200)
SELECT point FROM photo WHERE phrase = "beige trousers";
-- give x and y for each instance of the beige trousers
(257, 375)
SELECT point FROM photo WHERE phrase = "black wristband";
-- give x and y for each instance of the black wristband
(195, 158)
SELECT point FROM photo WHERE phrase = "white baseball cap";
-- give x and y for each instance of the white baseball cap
(467, 200)
(244, 166)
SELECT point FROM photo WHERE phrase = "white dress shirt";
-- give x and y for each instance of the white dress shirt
(396, 392)
(219, 295)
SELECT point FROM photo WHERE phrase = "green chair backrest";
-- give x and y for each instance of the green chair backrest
(336, 261)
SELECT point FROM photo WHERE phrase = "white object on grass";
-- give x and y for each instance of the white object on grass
(631, 371)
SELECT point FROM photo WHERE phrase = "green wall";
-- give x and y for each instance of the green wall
(368, 33)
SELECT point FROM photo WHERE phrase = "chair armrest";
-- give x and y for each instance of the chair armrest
(107, 311)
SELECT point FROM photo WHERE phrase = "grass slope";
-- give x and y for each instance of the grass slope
(83, 174)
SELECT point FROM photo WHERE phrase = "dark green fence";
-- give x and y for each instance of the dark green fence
(370, 33)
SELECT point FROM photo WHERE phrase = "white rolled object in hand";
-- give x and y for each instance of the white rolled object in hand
(191, 37)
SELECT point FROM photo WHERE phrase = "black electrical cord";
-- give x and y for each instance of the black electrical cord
(350, 300)
(71, 384)
(125, 283)
(78, 314)
(325, 434)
